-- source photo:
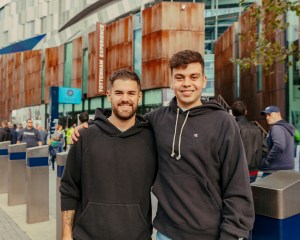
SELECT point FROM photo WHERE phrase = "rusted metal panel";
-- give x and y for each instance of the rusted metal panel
(169, 27)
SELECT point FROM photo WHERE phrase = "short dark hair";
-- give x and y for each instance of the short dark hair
(124, 74)
(238, 108)
(185, 57)
(83, 117)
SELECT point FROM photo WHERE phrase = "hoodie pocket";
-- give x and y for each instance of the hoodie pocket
(112, 221)
(187, 200)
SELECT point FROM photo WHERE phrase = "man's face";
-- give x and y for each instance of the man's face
(273, 117)
(124, 96)
(29, 124)
(187, 84)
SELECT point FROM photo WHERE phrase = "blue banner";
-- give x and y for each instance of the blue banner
(69, 95)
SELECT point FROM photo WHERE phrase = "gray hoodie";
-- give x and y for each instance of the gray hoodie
(280, 141)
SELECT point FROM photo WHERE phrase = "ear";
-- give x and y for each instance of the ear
(108, 95)
(140, 96)
(171, 83)
(204, 82)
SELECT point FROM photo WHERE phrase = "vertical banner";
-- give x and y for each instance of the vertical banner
(54, 115)
(101, 58)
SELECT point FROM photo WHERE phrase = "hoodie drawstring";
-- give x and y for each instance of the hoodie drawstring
(179, 141)
(173, 153)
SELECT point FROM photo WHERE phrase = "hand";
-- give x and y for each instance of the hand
(75, 135)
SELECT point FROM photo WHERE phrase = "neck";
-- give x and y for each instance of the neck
(122, 125)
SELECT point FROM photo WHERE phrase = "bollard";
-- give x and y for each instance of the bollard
(16, 174)
(4, 166)
(61, 161)
(277, 206)
(37, 173)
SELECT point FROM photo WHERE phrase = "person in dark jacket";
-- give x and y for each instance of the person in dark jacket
(5, 132)
(280, 140)
(202, 184)
(251, 136)
(13, 132)
(106, 184)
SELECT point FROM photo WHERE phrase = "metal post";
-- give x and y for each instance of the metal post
(4, 166)
(17, 174)
(37, 172)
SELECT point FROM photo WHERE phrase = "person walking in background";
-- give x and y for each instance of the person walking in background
(44, 134)
(30, 135)
(13, 132)
(83, 117)
(202, 185)
(251, 136)
(280, 140)
(106, 184)
(5, 134)
(56, 144)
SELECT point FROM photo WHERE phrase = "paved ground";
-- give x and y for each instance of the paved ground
(13, 224)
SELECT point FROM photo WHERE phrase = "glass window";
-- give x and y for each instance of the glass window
(68, 65)
(85, 72)
(95, 103)
(209, 71)
(137, 44)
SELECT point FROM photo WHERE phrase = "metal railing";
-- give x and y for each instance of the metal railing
(223, 103)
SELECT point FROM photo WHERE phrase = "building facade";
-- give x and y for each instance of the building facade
(47, 43)
(255, 86)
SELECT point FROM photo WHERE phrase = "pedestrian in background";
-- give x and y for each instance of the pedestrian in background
(5, 134)
(13, 132)
(251, 136)
(280, 140)
(83, 117)
(56, 144)
(30, 135)
(44, 134)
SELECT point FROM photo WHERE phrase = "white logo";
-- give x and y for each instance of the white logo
(195, 135)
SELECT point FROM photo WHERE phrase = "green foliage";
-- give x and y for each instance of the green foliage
(264, 48)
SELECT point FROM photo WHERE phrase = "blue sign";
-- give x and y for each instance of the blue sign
(69, 95)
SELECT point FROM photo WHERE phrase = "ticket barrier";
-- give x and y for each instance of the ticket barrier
(4, 166)
(17, 174)
(37, 173)
(61, 161)
(277, 206)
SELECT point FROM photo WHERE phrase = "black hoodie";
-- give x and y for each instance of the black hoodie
(107, 180)
(202, 185)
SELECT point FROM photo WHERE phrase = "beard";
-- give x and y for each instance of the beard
(124, 115)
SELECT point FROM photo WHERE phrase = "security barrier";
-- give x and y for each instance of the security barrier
(61, 161)
(277, 206)
(37, 173)
(4, 166)
(17, 174)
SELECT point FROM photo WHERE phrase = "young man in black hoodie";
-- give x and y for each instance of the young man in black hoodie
(106, 184)
(202, 185)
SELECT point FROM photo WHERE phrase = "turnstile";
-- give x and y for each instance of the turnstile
(16, 174)
(37, 172)
(4, 166)
(277, 206)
